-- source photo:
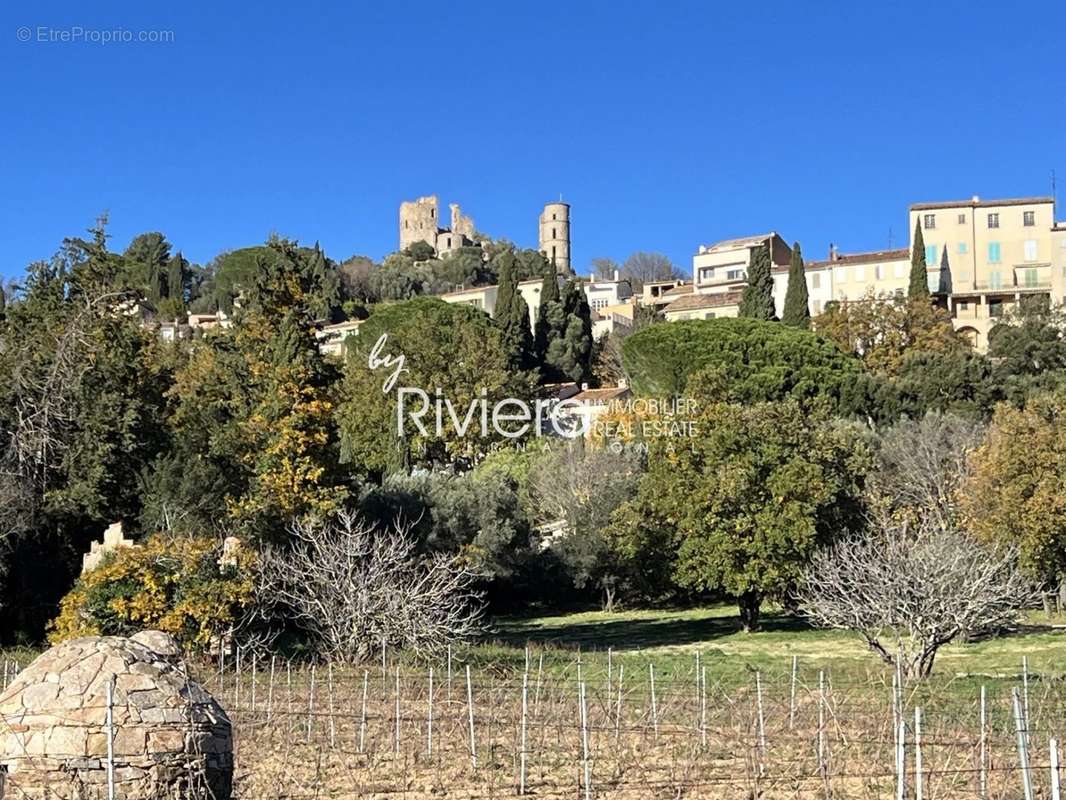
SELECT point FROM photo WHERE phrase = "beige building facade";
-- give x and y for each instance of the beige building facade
(851, 276)
(723, 266)
(984, 256)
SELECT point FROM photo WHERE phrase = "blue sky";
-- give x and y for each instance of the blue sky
(664, 124)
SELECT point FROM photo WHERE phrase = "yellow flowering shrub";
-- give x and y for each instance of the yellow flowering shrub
(173, 585)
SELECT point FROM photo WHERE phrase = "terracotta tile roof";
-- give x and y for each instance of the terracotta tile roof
(978, 203)
(872, 257)
(694, 302)
(685, 288)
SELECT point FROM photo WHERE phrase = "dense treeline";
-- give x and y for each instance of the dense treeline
(245, 430)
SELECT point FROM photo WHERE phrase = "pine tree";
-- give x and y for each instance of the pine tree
(919, 286)
(758, 299)
(797, 311)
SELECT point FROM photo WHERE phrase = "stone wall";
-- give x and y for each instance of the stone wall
(113, 540)
(419, 221)
(169, 738)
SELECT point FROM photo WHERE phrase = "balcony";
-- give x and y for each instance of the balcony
(722, 278)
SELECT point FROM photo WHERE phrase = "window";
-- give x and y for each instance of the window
(877, 272)
(993, 252)
(962, 219)
(995, 308)
(553, 215)
(706, 274)
(1031, 278)
(962, 305)
(816, 281)
(735, 275)
(995, 279)
(901, 270)
(1029, 218)
(930, 221)
(1030, 249)
(993, 220)
(709, 315)
(930, 254)
(963, 248)
(860, 274)
(840, 275)
(553, 233)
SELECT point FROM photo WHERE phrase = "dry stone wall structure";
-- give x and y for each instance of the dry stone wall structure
(169, 738)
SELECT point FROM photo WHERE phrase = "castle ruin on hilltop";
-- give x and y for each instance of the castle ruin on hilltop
(420, 222)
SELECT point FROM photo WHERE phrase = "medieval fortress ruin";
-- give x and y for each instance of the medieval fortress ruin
(420, 222)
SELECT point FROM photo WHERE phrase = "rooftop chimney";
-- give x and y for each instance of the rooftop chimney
(832, 252)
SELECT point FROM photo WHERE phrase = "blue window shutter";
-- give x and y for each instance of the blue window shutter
(930, 255)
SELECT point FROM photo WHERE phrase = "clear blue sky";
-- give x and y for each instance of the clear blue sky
(663, 124)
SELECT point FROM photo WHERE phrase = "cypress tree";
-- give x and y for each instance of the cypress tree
(507, 284)
(570, 354)
(758, 299)
(177, 278)
(512, 316)
(919, 286)
(544, 331)
(797, 310)
(944, 282)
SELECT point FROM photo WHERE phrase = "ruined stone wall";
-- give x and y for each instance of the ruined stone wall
(113, 540)
(419, 221)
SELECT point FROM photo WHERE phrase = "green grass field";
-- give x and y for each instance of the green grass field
(670, 639)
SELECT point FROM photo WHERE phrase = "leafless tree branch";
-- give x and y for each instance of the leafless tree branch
(357, 587)
(908, 592)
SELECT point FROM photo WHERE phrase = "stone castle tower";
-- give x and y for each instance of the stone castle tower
(555, 235)
(420, 222)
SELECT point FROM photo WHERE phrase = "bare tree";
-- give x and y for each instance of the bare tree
(923, 464)
(641, 268)
(355, 587)
(909, 592)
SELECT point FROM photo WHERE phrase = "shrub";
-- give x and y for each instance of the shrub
(173, 585)
(742, 360)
